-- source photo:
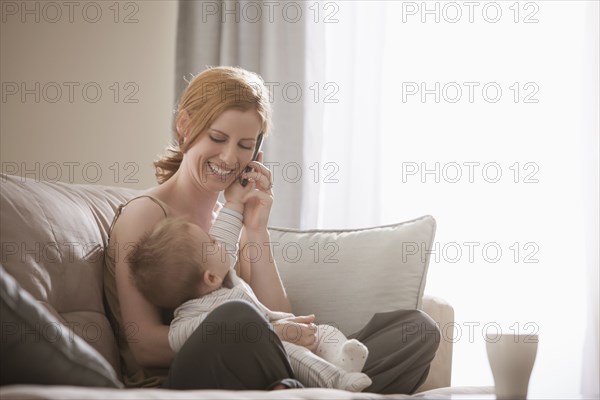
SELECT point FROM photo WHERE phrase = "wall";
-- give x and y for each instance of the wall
(87, 89)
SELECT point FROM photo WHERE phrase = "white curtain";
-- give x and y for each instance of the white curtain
(590, 185)
(343, 132)
(487, 119)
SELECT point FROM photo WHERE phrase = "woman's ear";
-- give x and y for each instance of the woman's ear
(181, 124)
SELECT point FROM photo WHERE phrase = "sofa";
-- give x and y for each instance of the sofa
(58, 343)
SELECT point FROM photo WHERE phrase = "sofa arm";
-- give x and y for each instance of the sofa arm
(441, 366)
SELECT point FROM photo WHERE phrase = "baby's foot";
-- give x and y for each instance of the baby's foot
(353, 356)
(353, 381)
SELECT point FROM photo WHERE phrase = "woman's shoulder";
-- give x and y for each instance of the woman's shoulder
(152, 201)
(139, 215)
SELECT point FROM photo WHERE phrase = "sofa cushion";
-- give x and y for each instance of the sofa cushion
(53, 237)
(345, 276)
(38, 349)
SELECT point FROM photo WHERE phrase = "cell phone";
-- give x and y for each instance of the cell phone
(244, 182)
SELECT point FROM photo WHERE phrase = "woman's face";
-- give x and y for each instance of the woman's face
(219, 155)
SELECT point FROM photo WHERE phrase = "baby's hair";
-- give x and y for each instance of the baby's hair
(166, 264)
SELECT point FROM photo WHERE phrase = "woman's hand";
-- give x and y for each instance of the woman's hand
(299, 330)
(259, 200)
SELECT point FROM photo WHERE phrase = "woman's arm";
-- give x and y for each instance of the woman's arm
(257, 265)
(147, 335)
(262, 275)
(258, 268)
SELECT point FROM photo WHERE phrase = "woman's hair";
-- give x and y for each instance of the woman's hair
(166, 264)
(206, 97)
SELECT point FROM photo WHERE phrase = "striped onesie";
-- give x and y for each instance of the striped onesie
(337, 361)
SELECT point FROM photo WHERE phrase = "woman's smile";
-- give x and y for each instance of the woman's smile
(220, 172)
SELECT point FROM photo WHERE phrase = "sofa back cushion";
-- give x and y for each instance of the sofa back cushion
(345, 276)
(53, 237)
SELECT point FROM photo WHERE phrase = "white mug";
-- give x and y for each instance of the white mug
(511, 359)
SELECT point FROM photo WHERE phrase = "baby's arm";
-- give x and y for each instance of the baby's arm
(226, 232)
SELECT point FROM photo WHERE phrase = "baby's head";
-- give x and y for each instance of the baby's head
(176, 262)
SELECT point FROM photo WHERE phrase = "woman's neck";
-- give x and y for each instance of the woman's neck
(187, 199)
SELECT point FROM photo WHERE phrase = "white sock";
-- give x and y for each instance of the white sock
(314, 371)
(353, 381)
(353, 355)
(350, 355)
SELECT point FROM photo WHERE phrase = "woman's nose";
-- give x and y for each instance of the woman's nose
(228, 157)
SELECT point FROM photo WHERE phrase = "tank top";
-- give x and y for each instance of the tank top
(132, 374)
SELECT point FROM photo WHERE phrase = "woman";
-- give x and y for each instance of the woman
(219, 118)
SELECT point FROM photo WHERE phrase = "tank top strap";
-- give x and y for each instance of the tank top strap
(121, 206)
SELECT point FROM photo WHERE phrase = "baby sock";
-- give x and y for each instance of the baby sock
(314, 371)
(352, 356)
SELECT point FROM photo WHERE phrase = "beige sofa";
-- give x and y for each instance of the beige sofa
(53, 237)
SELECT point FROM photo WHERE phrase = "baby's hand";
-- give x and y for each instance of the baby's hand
(235, 194)
(299, 330)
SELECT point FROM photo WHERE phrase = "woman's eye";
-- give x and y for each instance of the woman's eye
(217, 140)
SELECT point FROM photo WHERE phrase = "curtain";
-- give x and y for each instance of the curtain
(267, 38)
(485, 118)
(590, 189)
(343, 134)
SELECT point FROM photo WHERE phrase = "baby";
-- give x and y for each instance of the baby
(179, 266)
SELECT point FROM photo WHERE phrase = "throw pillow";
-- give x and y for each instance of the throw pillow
(37, 349)
(346, 276)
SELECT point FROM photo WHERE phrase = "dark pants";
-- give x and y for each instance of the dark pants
(235, 348)
(401, 346)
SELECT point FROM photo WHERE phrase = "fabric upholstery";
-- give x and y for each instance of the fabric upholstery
(78, 393)
(351, 274)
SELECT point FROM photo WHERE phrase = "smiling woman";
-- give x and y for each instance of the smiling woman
(208, 105)
(217, 155)
(219, 119)
(216, 129)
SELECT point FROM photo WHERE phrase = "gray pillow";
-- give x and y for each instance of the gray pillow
(37, 349)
